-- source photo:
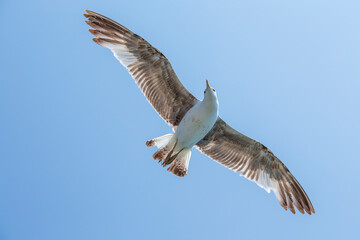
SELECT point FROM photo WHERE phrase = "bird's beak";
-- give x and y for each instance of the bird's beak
(207, 84)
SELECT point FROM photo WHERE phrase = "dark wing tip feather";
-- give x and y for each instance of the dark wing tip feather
(97, 40)
(88, 12)
(94, 31)
(291, 193)
(91, 24)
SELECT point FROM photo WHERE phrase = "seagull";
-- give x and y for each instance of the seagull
(195, 123)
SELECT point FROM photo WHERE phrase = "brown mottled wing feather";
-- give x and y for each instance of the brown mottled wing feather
(150, 69)
(257, 163)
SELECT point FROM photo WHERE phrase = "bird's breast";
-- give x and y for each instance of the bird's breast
(196, 123)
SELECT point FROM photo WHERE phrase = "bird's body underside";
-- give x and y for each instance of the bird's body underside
(196, 122)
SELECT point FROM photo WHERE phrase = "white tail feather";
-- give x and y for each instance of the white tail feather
(180, 165)
(160, 142)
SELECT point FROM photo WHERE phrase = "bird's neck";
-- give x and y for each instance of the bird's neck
(211, 103)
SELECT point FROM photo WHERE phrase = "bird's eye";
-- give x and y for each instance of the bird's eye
(204, 91)
(214, 90)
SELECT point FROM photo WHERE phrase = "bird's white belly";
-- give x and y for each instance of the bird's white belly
(196, 123)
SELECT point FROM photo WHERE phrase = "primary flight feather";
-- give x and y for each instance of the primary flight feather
(196, 123)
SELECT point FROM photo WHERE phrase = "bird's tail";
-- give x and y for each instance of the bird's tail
(169, 153)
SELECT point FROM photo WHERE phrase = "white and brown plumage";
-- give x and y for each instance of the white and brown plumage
(196, 123)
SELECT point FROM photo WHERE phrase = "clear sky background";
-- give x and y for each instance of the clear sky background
(73, 125)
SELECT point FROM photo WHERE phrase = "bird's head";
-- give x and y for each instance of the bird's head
(209, 91)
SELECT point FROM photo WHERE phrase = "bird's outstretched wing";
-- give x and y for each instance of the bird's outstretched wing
(257, 163)
(150, 69)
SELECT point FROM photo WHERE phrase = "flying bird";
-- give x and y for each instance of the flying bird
(195, 123)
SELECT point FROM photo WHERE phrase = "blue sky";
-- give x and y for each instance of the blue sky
(73, 125)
